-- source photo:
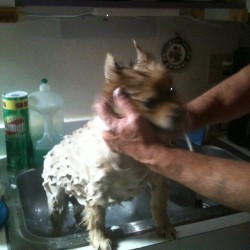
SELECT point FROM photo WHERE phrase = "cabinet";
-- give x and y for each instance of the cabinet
(202, 10)
(8, 15)
(136, 3)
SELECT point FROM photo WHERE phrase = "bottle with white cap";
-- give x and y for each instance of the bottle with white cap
(46, 121)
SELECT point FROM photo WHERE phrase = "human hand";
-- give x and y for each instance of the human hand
(129, 132)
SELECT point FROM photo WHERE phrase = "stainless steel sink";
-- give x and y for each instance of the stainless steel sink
(217, 152)
(29, 225)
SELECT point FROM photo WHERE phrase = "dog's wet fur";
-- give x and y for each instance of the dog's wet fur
(84, 168)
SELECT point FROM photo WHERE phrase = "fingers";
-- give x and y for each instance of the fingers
(123, 102)
(111, 139)
(103, 109)
(109, 136)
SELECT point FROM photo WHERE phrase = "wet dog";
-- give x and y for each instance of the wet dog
(82, 165)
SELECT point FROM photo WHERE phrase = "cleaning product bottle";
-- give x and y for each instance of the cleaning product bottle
(46, 121)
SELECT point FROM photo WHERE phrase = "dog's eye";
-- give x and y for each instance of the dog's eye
(172, 90)
(150, 103)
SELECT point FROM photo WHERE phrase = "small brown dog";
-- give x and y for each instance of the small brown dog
(84, 167)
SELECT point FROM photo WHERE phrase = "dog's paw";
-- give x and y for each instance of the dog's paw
(167, 232)
(102, 244)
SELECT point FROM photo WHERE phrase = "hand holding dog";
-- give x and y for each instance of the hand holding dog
(129, 133)
(225, 181)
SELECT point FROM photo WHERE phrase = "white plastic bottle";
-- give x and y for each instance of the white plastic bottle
(45, 120)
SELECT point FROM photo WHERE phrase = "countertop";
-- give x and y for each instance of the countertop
(193, 231)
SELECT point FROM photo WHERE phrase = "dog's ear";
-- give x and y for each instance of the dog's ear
(142, 56)
(110, 67)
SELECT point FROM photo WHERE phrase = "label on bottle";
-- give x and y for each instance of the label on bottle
(17, 137)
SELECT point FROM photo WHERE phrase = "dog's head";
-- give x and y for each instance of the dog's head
(149, 85)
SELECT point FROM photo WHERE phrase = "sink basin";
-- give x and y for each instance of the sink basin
(34, 205)
(217, 152)
(30, 226)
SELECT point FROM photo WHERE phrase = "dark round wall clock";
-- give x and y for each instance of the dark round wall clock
(176, 53)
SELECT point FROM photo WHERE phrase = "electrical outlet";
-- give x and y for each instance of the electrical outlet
(220, 66)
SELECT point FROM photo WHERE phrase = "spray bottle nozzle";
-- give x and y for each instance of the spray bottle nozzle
(44, 80)
(44, 86)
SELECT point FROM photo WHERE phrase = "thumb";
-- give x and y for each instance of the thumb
(123, 102)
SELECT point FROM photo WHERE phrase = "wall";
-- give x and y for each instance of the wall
(71, 53)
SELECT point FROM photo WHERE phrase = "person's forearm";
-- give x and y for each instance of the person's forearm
(224, 102)
(224, 181)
